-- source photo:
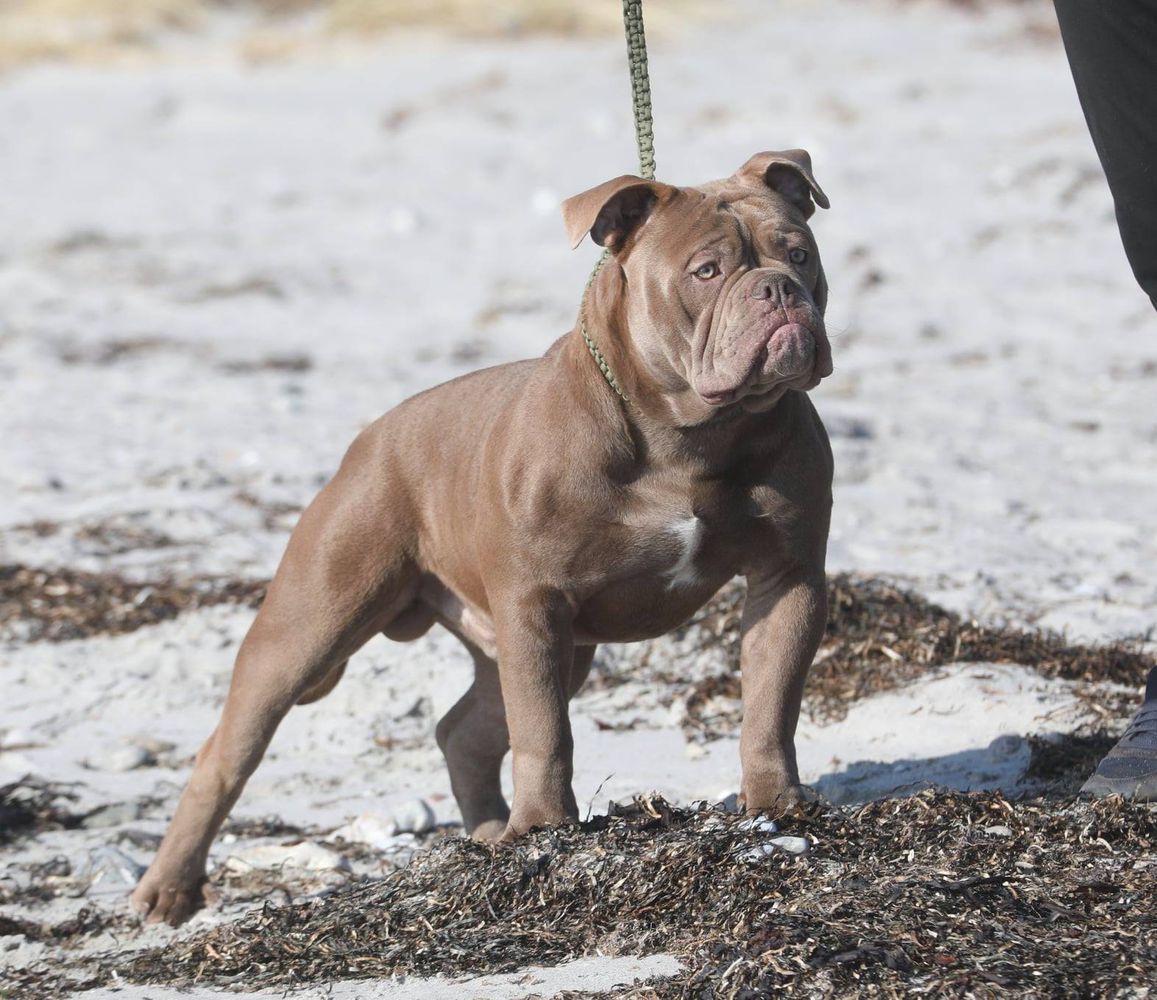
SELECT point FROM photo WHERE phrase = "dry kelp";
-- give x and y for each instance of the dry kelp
(88, 920)
(940, 893)
(1060, 763)
(880, 637)
(32, 804)
(59, 604)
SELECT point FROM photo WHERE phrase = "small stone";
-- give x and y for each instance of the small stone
(789, 845)
(371, 829)
(111, 869)
(998, 831)
(115, 814)
(415, 816)
(121, 759)
(728, 802)
(793, 845)
(306, 856)
(760, 824)
(153, 746)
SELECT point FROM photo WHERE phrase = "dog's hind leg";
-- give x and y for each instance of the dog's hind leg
(337, 585)
(474, 740)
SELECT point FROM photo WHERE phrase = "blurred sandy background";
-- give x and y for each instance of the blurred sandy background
(106, 31)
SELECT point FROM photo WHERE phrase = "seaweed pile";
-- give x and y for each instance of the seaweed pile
(881, 637)
(32, 804)
(59, 604)
(939, 894)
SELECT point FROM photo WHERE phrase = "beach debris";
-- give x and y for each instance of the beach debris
(108, 869)
(371, 829)
(87, 921)
(792, 845)
(879, 638)
(61, 604)
(415, 816)
(760, 824)
(303, 855)
(906, 895)
(120, 759)
(763, 825)
(728, 802)
(237, 827)
(32, 804)
(113, 814)
(388, 832)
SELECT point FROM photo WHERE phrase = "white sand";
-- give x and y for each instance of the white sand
(592, 974)
(392, 216)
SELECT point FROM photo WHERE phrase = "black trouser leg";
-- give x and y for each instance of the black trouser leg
(1112, 49)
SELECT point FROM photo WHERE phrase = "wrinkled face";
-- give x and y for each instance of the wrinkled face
(725, 291)
(738, 273)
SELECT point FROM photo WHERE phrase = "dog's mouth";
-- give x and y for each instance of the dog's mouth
(791, 355)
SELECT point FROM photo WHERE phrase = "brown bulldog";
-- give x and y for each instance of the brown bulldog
(538, 508)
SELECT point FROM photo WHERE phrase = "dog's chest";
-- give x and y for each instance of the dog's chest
(677, 551)
(688, 549)
(686, 537)
(687, 533)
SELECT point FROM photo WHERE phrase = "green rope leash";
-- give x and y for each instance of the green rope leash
(644, 139)
(640, 86)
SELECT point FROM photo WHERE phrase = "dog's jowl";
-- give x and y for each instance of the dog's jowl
(601, 493)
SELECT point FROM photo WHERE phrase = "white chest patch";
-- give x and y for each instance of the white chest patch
(689, 531)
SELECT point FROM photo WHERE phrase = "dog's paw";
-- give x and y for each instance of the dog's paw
(779, 800)
(524, 820)
(157, 899)
(490, 831)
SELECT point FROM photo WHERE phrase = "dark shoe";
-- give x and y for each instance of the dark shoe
(1130, 768)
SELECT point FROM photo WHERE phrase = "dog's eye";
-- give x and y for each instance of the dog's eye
(705, 272)
(798, 256)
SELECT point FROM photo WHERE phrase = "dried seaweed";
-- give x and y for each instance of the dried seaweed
(85, 922)
(1061, 763)
(940, 893)
(60, 604)
(32, 804)
(880, 637)
(262, 826)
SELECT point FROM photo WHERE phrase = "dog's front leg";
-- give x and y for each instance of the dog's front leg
(783, 622)
(535, 659)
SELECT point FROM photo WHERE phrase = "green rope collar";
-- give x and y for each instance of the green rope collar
(644, 140)
(601, 361)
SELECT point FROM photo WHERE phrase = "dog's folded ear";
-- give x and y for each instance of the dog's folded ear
(611, 211)
(788, 172)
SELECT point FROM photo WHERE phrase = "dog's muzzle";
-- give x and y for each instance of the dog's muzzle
(770, 333)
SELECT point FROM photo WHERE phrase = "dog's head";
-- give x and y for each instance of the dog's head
(724, 291)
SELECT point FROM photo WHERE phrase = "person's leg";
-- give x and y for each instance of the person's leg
(1112, 49)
